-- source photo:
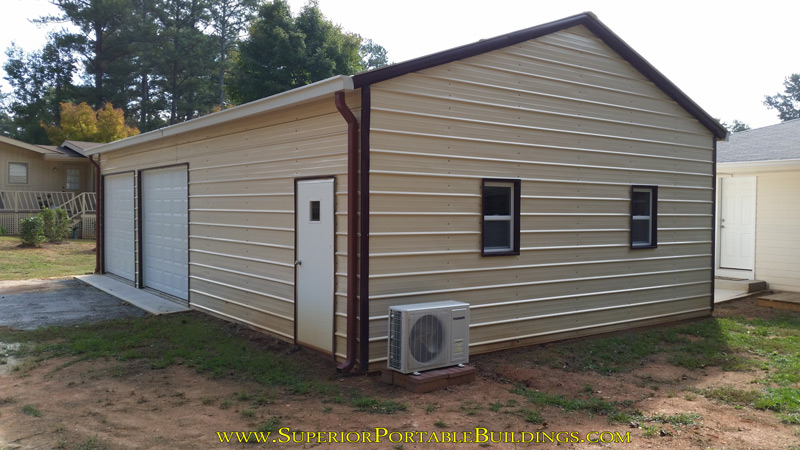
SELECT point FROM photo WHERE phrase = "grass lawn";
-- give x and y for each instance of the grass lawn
(72, 257)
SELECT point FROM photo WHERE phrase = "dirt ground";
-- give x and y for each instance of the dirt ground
(125, 405)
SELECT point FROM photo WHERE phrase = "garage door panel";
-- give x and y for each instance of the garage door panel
(165, 231)
(118, 234)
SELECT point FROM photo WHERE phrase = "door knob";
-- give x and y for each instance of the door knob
(298, 263)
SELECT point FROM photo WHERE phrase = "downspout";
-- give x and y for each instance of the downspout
(363, 291)
(352, 229)
(98, 222)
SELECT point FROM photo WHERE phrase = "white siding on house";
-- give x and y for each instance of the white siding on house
(777, 232)
(578, 126)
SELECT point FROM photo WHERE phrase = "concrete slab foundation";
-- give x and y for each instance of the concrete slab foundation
(147, 301)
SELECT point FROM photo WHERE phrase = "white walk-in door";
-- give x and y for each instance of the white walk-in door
(314, 265)
(165, 230)
(737, 223)
(118, 231)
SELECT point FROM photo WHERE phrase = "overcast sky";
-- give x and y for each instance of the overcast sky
(724, 55)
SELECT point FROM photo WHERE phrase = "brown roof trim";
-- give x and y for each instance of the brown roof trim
(587, 19)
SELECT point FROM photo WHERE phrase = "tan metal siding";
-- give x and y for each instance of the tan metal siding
(241, 207)
(578, 126)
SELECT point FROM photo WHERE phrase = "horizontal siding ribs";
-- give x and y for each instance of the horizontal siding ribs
(517, 108)
(539, 93)
(531, 145)
(255, 227)
(265, 161)
(532, 128)
(537, 180)
(246, 274)
(564, 247)
(543, 282)
(535, 266)
(536, 163)
(618, 322)
(237, 319)
(242, 289)
(243, 211)
(242, 194)
(578, 85)
(243, 258)
(237, 241)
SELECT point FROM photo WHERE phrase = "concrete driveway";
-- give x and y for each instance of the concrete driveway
(29, 304)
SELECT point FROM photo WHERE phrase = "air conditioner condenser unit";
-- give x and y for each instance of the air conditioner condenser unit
(427, 336)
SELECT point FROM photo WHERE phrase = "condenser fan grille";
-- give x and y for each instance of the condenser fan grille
(426, 338)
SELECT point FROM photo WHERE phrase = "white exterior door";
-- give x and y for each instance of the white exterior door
(119, 255)
(165, 230)
(314, 265)
(737, 223)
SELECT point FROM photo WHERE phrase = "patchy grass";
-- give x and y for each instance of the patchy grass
(375, 406)
(593, 405)
(72, 257)
(30, 410)
(731, 343)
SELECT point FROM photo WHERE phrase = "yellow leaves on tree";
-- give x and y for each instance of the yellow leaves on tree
(82, 123)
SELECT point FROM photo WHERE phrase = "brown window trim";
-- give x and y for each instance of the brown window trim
(653, 217)
(515, 233)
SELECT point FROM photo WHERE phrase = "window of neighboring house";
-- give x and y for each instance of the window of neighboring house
(17, 173)
(644, 212)
(73, 179)
(501, 203)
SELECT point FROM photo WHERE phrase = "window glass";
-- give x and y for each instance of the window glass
(497, 235)
(497, 200)
(500, 218)
(314, 211)
(17, 173)
(73, 179)
(643, 216)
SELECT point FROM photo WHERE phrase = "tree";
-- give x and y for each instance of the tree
(103, 40)
(82, 123)
(736, 126)
(39, 80)
(788, 103)
(283, 52)
(187, 64)
(229, 18)
(373, 56)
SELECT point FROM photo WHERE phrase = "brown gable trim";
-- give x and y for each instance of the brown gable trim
(587, 19)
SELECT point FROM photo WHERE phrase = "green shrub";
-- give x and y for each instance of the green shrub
(62, 227)
(31, 231)
(55, 224)
(48, 223)
(3, 230)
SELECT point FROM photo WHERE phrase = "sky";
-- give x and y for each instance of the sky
(725, 55)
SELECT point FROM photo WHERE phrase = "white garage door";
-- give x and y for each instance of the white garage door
(118, 238)
(165, 230)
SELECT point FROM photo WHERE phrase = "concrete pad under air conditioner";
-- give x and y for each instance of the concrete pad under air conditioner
(430, 380)
(145, 300)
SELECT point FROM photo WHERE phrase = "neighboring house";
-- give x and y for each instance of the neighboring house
(759, 205)
(551, 178)
(37, 176)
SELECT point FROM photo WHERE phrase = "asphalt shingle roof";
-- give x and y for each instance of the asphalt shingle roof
(772, 143)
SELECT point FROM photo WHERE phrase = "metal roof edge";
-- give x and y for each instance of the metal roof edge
(301, 94)
(587, 19)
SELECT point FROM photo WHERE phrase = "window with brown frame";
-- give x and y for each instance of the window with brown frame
(501, 217)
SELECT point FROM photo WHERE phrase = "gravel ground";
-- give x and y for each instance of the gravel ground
(30, 304)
